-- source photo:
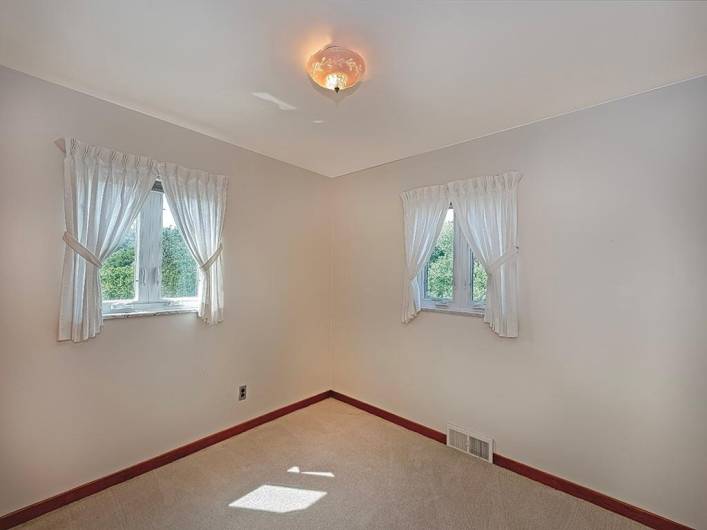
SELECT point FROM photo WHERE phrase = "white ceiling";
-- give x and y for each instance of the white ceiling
(439, 73)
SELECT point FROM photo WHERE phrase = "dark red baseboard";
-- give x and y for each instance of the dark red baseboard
(609, 503)
(606, 502)
(35, 510)
(411, 425)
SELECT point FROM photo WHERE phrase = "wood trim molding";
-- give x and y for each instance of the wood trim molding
(394, 418)
(608, 503)
(604, 501)
(40, 508)
(35, 510)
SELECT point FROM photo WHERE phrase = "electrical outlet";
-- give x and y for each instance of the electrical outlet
(242, 392)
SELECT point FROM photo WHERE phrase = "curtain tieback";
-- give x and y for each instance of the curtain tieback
(207, 265)
(82, 251)
(494, 267)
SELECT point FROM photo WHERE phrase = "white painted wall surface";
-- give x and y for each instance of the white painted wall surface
(71, 413)
(606, 384)
(604, 387)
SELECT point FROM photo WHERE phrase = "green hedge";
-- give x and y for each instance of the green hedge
(179, 271)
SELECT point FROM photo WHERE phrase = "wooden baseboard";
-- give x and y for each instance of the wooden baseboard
(394, 418)
(604, 501)
(35, 510)
(39, 508)
(589, 495)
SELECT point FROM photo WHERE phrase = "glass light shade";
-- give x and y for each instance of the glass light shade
(336, 68)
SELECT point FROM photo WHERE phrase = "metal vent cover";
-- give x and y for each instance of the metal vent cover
(479, 448)
(472, 444)
(457, 439)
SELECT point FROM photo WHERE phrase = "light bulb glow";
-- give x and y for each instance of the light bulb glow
(336, 68)
(335, 80)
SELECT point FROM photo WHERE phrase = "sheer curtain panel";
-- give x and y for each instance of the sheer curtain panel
(486, 210)
(103, 193)
(198, 203)
(424, 210)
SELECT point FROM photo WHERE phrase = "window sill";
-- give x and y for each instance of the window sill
(150, 313)
(470, 313)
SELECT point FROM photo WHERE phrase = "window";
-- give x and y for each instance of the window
(453, 279)
(152, 271)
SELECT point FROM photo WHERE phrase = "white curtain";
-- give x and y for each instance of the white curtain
(424, 210)
(486, 210)
(103, 193)
(198, 203)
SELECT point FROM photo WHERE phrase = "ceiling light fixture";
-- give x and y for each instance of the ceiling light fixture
(336, 68)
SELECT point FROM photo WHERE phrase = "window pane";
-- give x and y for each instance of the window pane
(439, 279)
(478, 282)
(178, 268)
(118, 271)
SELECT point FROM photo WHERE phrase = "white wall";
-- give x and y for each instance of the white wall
(72, 413)
(606, 384)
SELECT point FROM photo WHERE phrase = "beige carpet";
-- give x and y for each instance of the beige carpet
(330, 466)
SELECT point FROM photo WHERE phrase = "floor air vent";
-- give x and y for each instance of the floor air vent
(478, 446)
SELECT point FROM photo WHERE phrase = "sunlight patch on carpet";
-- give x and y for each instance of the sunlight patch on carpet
(296, 469)
(278, 499)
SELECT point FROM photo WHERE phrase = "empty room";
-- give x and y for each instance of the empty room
(337, 264)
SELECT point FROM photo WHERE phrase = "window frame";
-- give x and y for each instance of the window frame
(148, 300)
(462, 301)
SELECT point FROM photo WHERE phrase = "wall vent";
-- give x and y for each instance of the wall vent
(472, 444)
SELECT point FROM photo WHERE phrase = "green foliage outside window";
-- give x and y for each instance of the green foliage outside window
(118, 271)
(179, 272)
(440, 268)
